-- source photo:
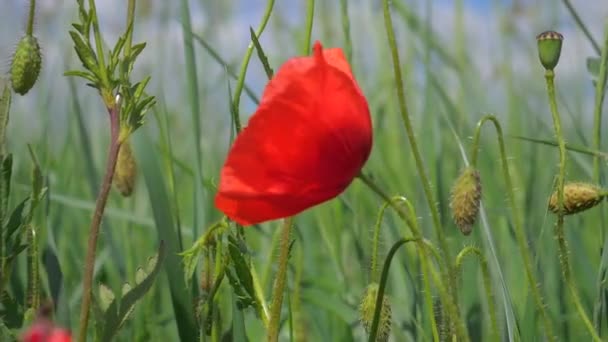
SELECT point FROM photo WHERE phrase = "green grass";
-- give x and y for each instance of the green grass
(181, 147)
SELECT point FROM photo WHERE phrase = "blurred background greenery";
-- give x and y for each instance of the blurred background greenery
(461, 59)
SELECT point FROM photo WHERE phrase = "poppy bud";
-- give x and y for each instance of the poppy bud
(126, 170)
(577, 197)
(367, 309)
(466, 194)
(26, 64)
(549, 48)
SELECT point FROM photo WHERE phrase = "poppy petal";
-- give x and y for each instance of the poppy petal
(306, 142)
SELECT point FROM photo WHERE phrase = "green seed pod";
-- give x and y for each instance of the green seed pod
(578, 197)
(26, 65)
(366, 312)
(466, 195)
(549, 48)
(126, 170)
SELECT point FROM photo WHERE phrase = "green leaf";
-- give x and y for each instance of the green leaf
(139, 89)
(119, 310)
(6, 168)
(261, 54)
(84, 74)
(593, 65)
(5, 106)
(84, 52)
(239, 276)
(16, 218)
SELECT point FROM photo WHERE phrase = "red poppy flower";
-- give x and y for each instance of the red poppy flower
(306, 142)
(44, 331)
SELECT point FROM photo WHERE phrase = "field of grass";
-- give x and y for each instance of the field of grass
(458, 62)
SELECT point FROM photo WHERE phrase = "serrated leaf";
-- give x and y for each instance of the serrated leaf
(135, 51)
(119, 310)
(106, 296)
(84, 52)
(139, 88)
(5, 107)
(593, 65)
(79, 28)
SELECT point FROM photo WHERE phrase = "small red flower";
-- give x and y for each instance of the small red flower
(306, 142)
(44, 331)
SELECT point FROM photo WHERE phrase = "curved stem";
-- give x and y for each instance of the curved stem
(310, 13)
(241, 80)
(380, 296)
(279, 283)
(487, 284)
(405, 116)
(520, 234)
(30, 18)
(376, 241)
(559, 226)
(100, 205)
(427, 267)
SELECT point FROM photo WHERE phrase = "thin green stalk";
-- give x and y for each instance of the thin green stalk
(600, 92)
(374, 258)
(380, 296)
(405, 116)
(241, 80)
(582, 26)
(487, 284)
(348, 44)
(100, 205)
(559, 227)
(427, 267)
(520, 234)
(195, 112)
(310, 13)
(30, 18)
(280, 281)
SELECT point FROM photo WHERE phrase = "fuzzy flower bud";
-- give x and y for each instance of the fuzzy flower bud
(578, 197)
(549, 48)
(466, 195)
(367, 309)
(26, 65)
(126, 170)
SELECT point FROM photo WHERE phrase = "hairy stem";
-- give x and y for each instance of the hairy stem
(100, 205)
(559, 226)
(380, 296)
(487, 284)
(520, 234)
(279, 283)
(427, 267)
(30, 18)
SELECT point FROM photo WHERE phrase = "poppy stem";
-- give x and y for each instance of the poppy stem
(100, 205)
(559, 226)
(279, 283)
(310, 13)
